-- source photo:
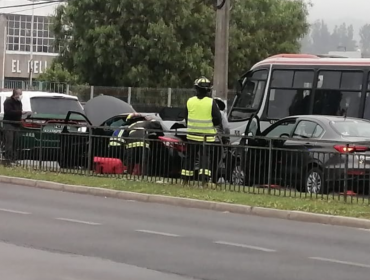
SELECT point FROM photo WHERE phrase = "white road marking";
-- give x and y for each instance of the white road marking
(14, 211)
(157, 233)
(364, 229)
(244, 246)
(340, 262)
(78, 221)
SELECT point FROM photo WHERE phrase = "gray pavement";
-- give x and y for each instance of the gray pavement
(81, 236)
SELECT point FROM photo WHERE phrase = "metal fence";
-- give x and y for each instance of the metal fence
(142, 99)
(255, 166)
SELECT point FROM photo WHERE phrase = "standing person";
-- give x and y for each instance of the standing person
(225, 123)
(218, 154)
(13, 111)
(202, 117)
(137, 147)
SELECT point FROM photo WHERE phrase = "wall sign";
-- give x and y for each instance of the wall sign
(20, 66)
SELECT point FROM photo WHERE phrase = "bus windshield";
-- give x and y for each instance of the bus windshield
(249, 99)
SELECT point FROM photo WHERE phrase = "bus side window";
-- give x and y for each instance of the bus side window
(338, 93)
(289, 93)
(367, 101)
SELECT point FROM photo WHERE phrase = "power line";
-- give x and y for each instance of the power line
(33, 4)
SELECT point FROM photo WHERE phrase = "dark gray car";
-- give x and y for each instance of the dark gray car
(312, 153)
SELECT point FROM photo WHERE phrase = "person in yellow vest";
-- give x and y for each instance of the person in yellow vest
(202, 117)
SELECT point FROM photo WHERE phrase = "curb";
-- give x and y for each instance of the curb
(194, 203)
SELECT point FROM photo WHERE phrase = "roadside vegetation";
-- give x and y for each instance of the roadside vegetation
(278, 199)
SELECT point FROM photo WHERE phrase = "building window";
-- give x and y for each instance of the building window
(19, 34)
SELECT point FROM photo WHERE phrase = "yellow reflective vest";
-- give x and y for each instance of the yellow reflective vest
(200, 119)
(116, 139)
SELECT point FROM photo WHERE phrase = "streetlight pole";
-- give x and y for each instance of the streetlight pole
(221, 62)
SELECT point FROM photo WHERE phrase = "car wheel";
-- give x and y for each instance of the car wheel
(314, 181)
(237, 176)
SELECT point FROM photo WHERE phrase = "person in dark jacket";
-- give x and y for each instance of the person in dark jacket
(13, 112)
(137, 146)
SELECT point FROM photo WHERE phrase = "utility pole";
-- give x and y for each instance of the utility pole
(221, 63)
(31, 47)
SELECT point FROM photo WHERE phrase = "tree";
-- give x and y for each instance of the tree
(306, 44)
(342, 37)
(169, 42)
(365, 39)
(58, 74)
(261, 28)
(321, 37)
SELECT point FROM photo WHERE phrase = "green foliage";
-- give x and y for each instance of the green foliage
(58, 74)
(169, 43)
(261, 28)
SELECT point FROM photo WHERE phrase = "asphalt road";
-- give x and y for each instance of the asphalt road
(53, 235)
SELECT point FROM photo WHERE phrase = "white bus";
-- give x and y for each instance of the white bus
(300, 84)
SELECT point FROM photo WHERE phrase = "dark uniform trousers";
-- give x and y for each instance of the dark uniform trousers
(197, 151)
(138, 148)
(11, 133)
(136, 153)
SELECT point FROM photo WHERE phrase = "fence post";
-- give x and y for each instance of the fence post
(345, 174)
(169, 97)
(90, 158)
(40, 151)
(129, 95)
(269, 167)
(67, 90)
(143, 158)
(40, 85)
(91, 92)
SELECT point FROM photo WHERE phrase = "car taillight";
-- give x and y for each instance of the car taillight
(173, 143)
(350, 149)
(32, 123)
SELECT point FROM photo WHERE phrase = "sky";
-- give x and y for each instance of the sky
(354, 12)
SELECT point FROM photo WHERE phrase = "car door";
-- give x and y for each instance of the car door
(299, 150)
(268, 156)
(74, 142)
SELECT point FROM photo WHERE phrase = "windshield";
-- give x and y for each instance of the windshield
(55, 105)
(249, 99)
(352, 128)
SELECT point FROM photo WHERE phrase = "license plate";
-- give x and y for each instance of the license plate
(53, 129)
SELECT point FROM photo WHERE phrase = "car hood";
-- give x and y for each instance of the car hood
(103, 107)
